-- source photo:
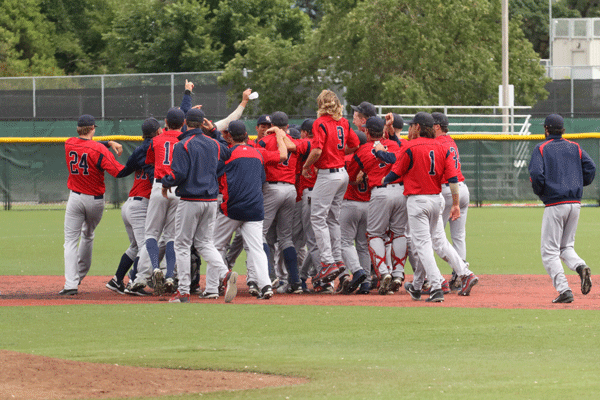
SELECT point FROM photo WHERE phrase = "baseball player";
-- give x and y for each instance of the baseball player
(160, 218)
(387, 206)
(194, 172)
(280, 199)
(332, 140)
(134, 210)
(242, 206)
(86, 161)
(422, 164)
(559, 169)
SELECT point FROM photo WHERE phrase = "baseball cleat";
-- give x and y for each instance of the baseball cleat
(324, 288)
(158, 281)
(396, 284)
(180, 298)
(230, 283)
(357, 279)
(414, 293)
(253, 289)
(436, 296)
(305, 288)
(137, 289)
(295, 288)
(209, 296)
(266, 293)
(364, 288)
(170, 286)
(468, 281)
(344, 280)
(341, 266)
(564, 297)
(384, 284)
(327, 274)
(586, 282)
(68, 292)
(115, 286)
(446, 287)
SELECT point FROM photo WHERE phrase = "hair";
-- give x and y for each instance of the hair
(84, 130)
(444, 128)
(194, 124)
(555, 131)
(329, 104)
(174, 127)
(374, 134)
(427, 132)
(239, 138)
(149, 135)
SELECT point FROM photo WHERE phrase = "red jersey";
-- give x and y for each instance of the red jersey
(423, 164)
(454, 154)
(332, 137)
(360, 192)
(87, 160)
(303, 148)
(161, 152)
(142, 185)
(284, 171)
(376, 169)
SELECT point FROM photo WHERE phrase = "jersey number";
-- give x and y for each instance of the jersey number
(340, 134)
(287, 160)
(432, 163)
(455, 157)
(167, 160)
(76, 164)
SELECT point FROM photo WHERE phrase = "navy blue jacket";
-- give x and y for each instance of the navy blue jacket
(559, 169)
(194, 168)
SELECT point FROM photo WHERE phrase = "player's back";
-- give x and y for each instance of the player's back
(284, 171)
(86, 161)
(451, 144)
(162, 147)
(375, 168)
(332, 137)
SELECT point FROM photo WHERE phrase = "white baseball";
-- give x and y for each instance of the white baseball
(253, 95)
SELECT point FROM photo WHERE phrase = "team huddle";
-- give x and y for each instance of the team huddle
(310, 205)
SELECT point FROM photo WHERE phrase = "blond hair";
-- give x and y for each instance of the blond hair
(329, 104)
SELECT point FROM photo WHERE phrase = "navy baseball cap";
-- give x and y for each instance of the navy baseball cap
(237, 129)
(398, 121)
(422, 118)
(440, 119)
(307, 125)
(263, 119)
(195, 115)
(554, 121)
(279, 118)
(365, 108)
(175, 117)
(86, 120)
(375, 124)
(149, 126)
(294, 133)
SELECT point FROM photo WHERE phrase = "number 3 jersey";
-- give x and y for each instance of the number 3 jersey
(87, 160)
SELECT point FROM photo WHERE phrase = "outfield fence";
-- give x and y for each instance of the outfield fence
(33, 172)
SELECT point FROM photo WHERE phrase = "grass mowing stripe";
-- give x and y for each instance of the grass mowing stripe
(347, 352)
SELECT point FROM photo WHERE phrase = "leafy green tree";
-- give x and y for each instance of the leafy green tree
(26, 40)
(79, 26)
(587, 8)
(157, 36)
(236, 20)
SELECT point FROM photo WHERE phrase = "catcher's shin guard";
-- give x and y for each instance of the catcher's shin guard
(376, 260)
(398, 262)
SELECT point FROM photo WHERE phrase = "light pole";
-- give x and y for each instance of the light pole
(505, 66)
(550, 38)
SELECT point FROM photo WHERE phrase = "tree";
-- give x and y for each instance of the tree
(236, 20)
(587, 8)
(413, 52)
(26, 40)
(152, 36)
(79, 26)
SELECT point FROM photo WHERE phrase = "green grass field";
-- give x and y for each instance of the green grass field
(346, 352)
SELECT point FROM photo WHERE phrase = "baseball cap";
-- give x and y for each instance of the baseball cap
(398, 121)
(237, 129)
(365, 108)
(263, 119)
(86, 120)
(440, 119)
(279, 118)
(294, 133)
(374, 124)
(175, 117)
(554, 121)
(422, 118)
(195, 115)
(307, 125)
(150, 125)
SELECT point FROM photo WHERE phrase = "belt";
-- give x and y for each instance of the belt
(138, 198)
(95, 197)
(278, 183)
(447, 184)
(389, 185)
(332, 170)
